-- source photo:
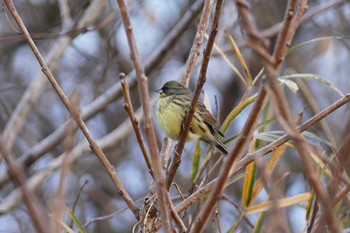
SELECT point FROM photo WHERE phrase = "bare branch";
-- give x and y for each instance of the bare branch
(142, 81)
(202, 79)
(135, 124)
(176, 217)
(197, 43)
(76, 116)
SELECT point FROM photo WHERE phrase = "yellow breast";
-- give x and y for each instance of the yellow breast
(170, 117)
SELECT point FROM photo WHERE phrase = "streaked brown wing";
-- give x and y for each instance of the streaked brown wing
(209, 119)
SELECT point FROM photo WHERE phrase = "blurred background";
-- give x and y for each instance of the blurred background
(86, 48)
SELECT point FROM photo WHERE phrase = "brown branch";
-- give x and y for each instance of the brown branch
(293, 17)
(149, 126)
(284, 115)
(176, 217)
(76, 116)
(192, 199)
(253, 35)
(37, 213)
(202, 79)
(197, 43)
(311, 102)
(287, 33)
(165, 152)
(135, 124)
(235, 153)
(195, 197)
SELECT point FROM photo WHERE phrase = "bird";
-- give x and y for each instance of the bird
(171, 110)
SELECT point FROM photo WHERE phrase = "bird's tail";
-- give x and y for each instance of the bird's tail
(221, 147)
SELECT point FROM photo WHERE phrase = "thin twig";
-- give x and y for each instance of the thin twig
(76, 116)
(135, 124)
(197, 43)
(192, 199)
(165, 152)
(287, 32)
(142, 81)
(89, 221)
(176, 217)
(202, 78)
(75, 202)
(291, 22)
(237, 207)
(310, 100)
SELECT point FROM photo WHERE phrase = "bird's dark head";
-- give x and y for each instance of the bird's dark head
(171, 88)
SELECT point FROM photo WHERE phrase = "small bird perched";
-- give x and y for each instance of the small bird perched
(172, 108)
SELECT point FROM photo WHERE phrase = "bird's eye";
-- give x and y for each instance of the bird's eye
(165, 89)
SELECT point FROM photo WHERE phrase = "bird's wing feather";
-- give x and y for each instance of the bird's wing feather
(209, 119)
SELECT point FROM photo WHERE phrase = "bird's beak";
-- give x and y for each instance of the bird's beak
(160, 91)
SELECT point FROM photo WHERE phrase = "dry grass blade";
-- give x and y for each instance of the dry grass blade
(273, 162)
(240, 58)
(231, 65)
(285, 202)
(236, 111)
(249, 179)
